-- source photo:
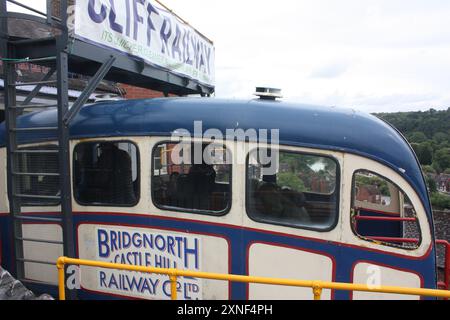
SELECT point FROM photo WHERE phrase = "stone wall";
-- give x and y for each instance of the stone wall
(442, 231)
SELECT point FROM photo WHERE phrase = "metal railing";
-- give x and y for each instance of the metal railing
(442, 284)
(50, 18)
(316, 286)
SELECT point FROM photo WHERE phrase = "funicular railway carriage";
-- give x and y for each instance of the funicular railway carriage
(346, 202)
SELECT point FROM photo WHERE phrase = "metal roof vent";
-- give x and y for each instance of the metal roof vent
(265, 93)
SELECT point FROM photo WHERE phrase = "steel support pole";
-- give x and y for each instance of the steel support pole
(10, 76)
(92, 85)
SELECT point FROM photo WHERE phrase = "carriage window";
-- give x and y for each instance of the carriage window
(202, 187)
(33, 184)
(297, 190)
(106, 173)
(382, 212)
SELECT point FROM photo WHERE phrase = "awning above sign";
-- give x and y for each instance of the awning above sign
(145, 30)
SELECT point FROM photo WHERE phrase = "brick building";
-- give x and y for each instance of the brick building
(131, 92)
(443, 183)
(369, 194)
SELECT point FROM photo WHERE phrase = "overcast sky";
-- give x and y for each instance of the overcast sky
(372, 55)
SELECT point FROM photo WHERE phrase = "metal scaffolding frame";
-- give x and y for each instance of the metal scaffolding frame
(62, 53)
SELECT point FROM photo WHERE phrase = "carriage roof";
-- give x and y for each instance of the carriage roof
(299, 125)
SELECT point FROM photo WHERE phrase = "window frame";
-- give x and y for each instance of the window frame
(138, 171)
(185, 210)
(337, 191)
(57, 202)
(377, 242)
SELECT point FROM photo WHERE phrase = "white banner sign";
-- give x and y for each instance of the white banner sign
(143, 29)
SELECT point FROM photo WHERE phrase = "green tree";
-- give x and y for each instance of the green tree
(424, 152)
(431, 126)
(442, 157)
(436, 167)
(432, 187)
(428, 169)
(417, 137)
(289, 179)
(440, 201)
(440, 137)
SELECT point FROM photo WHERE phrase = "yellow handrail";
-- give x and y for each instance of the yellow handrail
(316, 286)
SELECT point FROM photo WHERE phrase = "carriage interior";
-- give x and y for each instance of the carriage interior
(203, 186)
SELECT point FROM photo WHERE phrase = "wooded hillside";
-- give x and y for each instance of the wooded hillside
(429, 134)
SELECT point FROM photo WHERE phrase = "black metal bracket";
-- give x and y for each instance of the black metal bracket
(92, 85)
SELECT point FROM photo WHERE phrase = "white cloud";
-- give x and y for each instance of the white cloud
(373, 55)
(36, 4)
(332, 70)
(382, 55)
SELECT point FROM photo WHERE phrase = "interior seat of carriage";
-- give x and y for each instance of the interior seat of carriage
(268, 200)
(196, 190)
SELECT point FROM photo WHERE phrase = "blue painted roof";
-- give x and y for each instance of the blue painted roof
(300, 125)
